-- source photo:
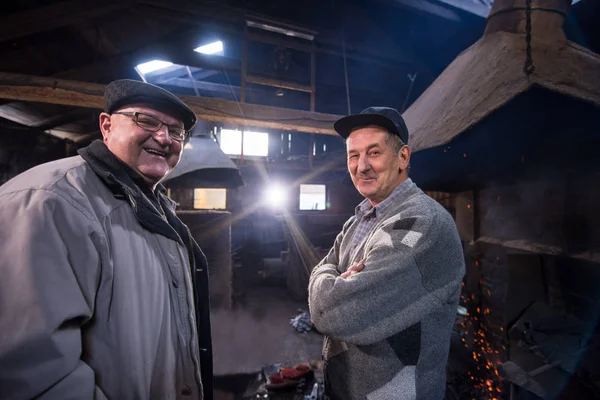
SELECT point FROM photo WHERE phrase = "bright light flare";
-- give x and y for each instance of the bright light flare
(275, 196)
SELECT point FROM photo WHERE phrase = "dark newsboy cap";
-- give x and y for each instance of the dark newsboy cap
(124, 92)
(386, 117)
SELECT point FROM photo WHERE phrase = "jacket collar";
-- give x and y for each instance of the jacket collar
(125, 183)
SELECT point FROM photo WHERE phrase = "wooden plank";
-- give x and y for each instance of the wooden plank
(311, 146)
(358, 54)
(217, 110)
(91, 95)
(244, 67)
(41, 19)
(313, 82)
(261, 80)
(70, 116)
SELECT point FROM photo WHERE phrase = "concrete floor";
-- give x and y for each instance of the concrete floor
(257, 332)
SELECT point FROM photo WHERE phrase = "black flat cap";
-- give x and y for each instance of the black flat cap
(124, 92)
(386, 117)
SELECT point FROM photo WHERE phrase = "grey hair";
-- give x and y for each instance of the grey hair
(394, 142)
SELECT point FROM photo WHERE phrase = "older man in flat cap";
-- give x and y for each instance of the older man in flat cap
(386, 294)
(103, 291)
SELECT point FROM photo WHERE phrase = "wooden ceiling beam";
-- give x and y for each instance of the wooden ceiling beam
(41, 19)
(65, 118)
(91, 95)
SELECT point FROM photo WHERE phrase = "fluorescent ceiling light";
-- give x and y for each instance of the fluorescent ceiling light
(211, 48)
(281, 30)
(153, 65)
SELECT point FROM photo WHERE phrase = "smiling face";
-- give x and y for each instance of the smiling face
(376, 170)
(151, 154)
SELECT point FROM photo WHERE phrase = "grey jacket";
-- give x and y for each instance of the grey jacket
(92, 304)
(388, 327)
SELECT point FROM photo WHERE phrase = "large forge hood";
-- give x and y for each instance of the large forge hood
(484, 116)
(204, 165)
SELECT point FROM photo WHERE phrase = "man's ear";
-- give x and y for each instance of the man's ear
(404, 155)
(105, 125)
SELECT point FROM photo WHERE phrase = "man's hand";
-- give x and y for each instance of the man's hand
(354, 269)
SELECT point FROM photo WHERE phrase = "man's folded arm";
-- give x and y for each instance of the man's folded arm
(386, 297)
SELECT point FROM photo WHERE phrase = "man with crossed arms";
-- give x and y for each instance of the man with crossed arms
(385, 296)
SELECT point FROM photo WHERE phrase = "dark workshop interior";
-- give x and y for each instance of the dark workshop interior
(505, 130)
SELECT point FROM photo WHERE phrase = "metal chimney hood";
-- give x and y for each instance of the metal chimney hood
(485, 118)
(204, 165)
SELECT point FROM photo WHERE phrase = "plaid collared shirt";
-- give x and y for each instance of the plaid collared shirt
(366, 215)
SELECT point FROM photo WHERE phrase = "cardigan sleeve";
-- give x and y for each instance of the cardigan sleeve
(328, 269)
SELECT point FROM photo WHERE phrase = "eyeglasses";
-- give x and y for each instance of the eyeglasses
(153, 124)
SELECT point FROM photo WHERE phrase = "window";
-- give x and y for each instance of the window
(231, 141)
(313, 197)
(210, 199)
(255, 143)
(152, 66)
(211, 48)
